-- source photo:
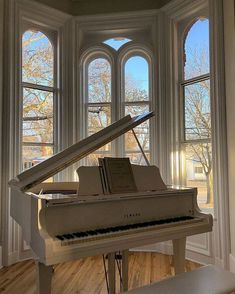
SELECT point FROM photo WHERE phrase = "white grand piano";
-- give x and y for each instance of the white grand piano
(67, 221)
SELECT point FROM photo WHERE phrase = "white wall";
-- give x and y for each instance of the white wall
(229, 37)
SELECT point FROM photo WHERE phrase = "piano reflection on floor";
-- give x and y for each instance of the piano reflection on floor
(66, 221)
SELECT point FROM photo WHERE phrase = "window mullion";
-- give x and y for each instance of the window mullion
(195, 80)
(38, 87)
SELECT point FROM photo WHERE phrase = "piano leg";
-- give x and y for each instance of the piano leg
(124, 271)
(44, 277)
(111, 272)
(179, 246)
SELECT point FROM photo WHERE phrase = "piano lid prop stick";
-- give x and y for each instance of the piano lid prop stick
(141, 149)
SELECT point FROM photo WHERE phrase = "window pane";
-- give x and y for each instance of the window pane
(116, 43)
(99, 117)
(33, 155)
(137, 158)
(199, 172)
(197, 111)
(136, 79)
(142, 131)
(196, 49)
(37, 58)
(99, 81)
(37, 116)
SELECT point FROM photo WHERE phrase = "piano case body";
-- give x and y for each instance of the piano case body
(61, 225)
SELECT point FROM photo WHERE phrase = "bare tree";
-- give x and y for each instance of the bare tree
(198, 113)
(37, 69)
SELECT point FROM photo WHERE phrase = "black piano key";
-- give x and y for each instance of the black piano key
(83, 234)
(91, 233)
(114, 229)
(126, 227)
(61, 238)
(79, 234)
(68, 236)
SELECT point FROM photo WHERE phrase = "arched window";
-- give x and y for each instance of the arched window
(116, 43)
(136, 102)
(196, 137)
(117, 84)
(38, 90)
(98, 102)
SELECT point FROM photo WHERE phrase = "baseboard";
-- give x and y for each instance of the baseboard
(13, 257)
(166, 248)
(232, 263)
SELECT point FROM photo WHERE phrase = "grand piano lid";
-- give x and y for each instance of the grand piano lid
(48, 168)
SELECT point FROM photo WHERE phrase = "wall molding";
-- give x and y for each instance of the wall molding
(36, 12)
(180, 9)
(120, 17)
(219, 138)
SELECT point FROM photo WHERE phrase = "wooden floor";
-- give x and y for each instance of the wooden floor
(86, 276)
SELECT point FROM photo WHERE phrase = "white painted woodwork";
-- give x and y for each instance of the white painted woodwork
(178, 15)
(18, 12)
(221, 239)
(229, 37)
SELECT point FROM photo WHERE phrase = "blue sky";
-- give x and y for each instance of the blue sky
(137, 67)
(198, 34)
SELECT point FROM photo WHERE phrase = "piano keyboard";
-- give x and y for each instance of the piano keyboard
(93, 235)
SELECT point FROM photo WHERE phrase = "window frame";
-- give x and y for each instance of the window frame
(52, 38)
(183, 141)
(117, 60)
(88, 56)
(127, 51)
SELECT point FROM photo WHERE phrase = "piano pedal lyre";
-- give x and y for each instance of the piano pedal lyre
(117, 260)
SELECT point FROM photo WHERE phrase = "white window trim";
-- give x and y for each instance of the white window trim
(127, 51)
(52, 37)
(131, 25)
(18, 11)
(183, 142)
(86, 58)
(176, 12)
(117, 60)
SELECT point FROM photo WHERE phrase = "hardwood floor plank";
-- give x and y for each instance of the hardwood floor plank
(86, 276)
